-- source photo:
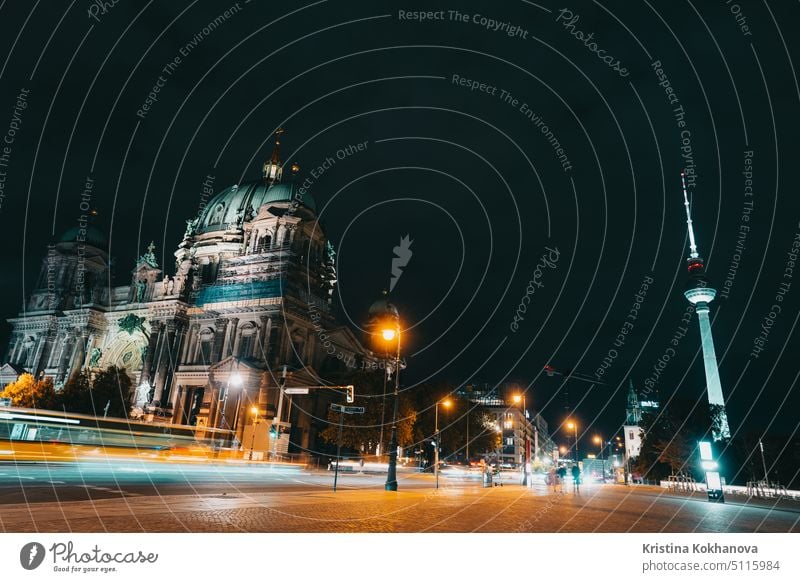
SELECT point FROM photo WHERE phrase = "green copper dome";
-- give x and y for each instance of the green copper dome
(227, 206)
(92, 236)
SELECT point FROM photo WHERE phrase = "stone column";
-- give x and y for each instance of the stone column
(177, 339)
(16, 342)
(187, 342)
(156, 330)
(220, 332)
(80, 351)
(45, 355)
(163, 359)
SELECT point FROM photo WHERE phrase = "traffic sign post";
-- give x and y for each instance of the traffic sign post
(350, 392)
(342, 410)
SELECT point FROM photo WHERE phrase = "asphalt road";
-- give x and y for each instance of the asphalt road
(41, 482)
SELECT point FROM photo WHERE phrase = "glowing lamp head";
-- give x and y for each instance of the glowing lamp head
(388, 334)
(236, 379)
(598, 440)
(254, 410)
(447, 403)
(571, 425)
(517, 398)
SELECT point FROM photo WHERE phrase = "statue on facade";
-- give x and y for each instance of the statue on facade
(94, 359)
(191, 228)
(165, 282)
(142, 395)
(131, 323)
(149, 258)
(171, 286)
(141, 287)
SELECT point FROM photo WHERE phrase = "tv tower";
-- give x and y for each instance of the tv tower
(700, 294)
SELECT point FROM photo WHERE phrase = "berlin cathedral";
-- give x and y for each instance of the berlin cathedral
(249, 296)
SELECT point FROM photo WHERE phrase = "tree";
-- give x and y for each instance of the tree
(670, 438)
(453, 419)
(28, 392)
(111, 387)
(362, 432)
(86, 395)
(74, 396)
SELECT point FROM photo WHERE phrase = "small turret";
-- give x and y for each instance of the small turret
(273, 171)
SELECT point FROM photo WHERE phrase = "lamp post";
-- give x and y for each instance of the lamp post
(520, 399)
(599, 441)
(390, 334)
(235, 379)
(446, 403)
(275, 431)
(574, 427)
(254, 412)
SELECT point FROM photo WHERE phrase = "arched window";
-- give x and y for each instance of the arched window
(247, 340)
(217, 214)
(264, 243)
(206, 343)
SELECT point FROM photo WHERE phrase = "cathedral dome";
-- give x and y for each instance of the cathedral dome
(92, 236)
(244, 200)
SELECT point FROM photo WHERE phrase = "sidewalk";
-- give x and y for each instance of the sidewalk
(731, 498)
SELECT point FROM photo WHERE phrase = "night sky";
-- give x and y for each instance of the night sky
(459, 121)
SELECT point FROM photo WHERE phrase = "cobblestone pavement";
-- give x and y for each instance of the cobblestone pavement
(453, 508)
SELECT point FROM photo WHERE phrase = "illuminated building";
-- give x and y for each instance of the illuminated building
(249, 293)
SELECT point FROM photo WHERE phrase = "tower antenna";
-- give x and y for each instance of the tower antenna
(693, 254)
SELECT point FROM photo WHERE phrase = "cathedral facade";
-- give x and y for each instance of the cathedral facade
(205, 341)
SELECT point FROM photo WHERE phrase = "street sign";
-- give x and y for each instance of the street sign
(347, 409)
(296, 390)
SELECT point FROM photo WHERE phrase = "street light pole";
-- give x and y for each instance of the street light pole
(253, 410)
(391, 475)
(525, 443)
(446, 404)
(763, 462)
(576, 442)
(468, 412)
(436, 446)
(599, 440)
(276, 420)
(574, 426)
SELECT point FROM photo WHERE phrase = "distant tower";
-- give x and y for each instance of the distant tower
(700, 294)
(631, 428)
(633, 412)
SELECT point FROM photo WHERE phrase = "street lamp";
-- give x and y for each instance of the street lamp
(446, 403)
(574, 427)
(520, 399)
(599, 441)
(235, 379)
(386, 321)
(254, 412)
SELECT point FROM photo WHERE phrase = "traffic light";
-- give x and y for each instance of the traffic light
(351, 394)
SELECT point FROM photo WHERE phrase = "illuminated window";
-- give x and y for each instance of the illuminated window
(510, 441)
(508, 424)
(630, 435)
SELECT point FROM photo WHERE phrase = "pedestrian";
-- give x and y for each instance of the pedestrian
(561, 476)
(576, 478)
